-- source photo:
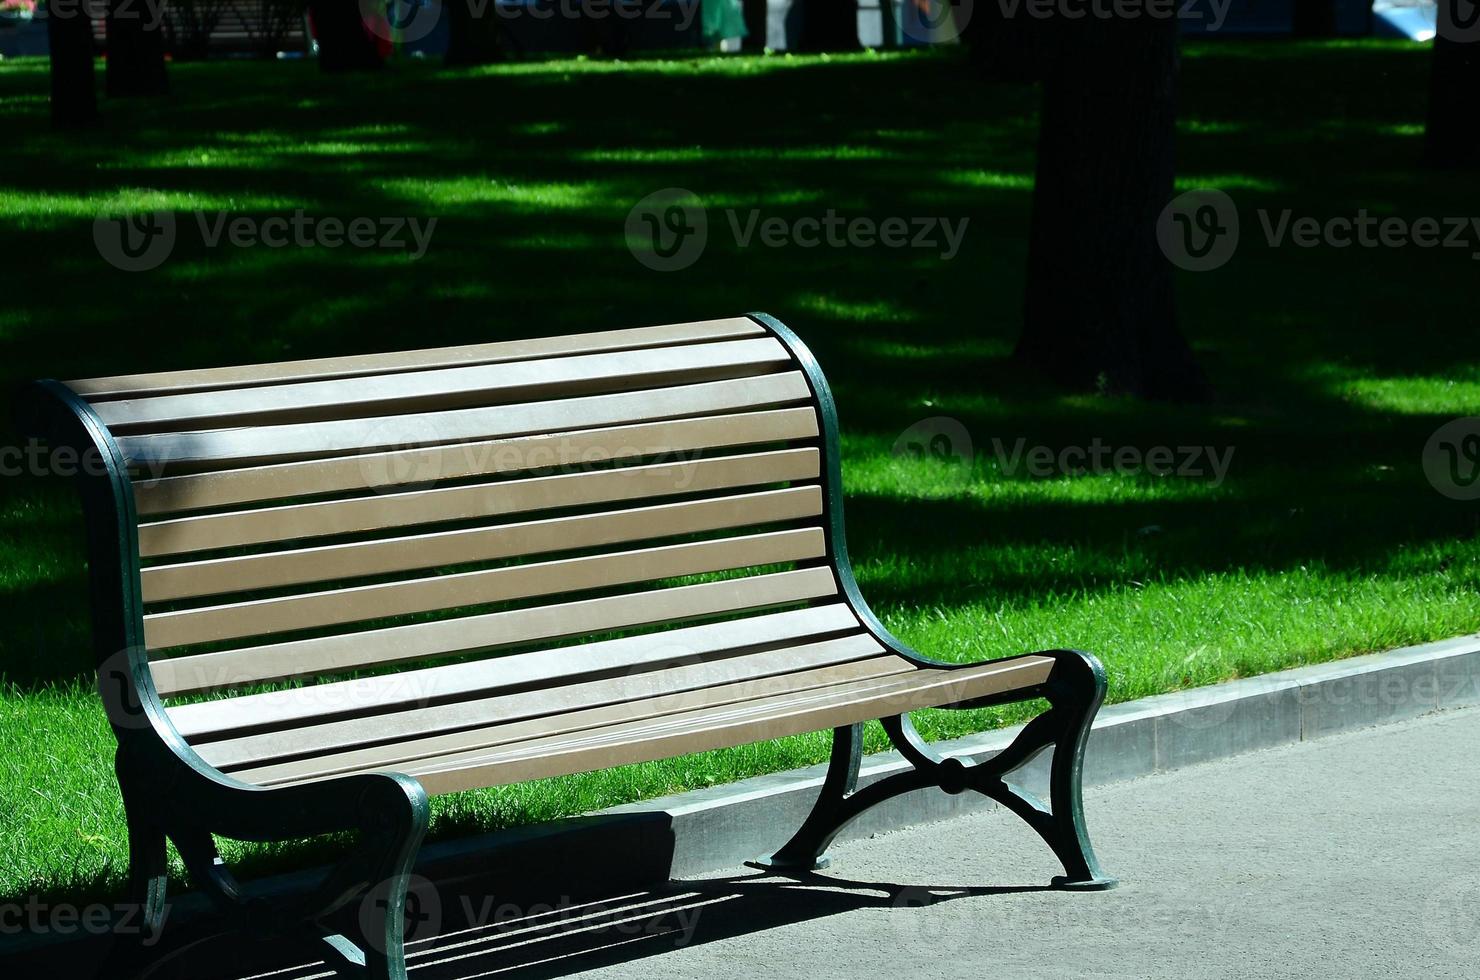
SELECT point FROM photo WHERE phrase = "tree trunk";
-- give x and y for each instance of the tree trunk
(756, 13)
(345, 43)
(470, 40)
(829, 25)
(1314, 18)
(1100, 312)
(135, 50)
(74, 99)
(1453, 137)
(1012, 47)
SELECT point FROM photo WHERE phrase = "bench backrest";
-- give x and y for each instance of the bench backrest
(349, 514)
(261, 27)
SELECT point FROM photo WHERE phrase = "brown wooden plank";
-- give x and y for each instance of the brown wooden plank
(384, 511)
(537, 668)
(422, 641)
(718, 726)
(705, 729)
(322, 477)
(775, 667)
(441, 388)
(175, 382)
(431, 749)
(155, 452)
(337, 607)
(242, 573)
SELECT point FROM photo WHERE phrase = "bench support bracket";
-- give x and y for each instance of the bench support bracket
(1074, 692)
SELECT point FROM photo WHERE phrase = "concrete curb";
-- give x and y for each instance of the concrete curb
(722, 827)
(645, 844)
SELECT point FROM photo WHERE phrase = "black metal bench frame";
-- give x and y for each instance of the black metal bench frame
(169, 792)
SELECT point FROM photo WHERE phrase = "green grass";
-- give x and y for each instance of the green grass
(1332, 367)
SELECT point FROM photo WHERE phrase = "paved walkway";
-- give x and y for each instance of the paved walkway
(1352, 857)
(1356, 856)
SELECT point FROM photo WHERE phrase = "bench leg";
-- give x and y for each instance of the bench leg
(1084, 690)
(391, 846)
(805, 851)
(148, 883)
(389, 812)
(1074, 693)
(393, 814)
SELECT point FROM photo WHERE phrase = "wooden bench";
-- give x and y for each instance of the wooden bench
(259, 28)
(324, 589)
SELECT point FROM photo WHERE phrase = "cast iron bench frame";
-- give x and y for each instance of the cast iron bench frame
(169, 791)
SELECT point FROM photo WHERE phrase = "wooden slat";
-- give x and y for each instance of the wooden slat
(383, 511)
(136, 385)
(422, 641)
(319, 477)
(243, 573)
(154, 452)
(285, 614)
(718, 726)
(431, 749)
(695, 673)
(442, 388)
(426, 685)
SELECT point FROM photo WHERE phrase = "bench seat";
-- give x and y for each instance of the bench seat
(578, 727)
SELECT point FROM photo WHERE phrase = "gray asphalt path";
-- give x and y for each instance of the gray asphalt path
(1351, 857)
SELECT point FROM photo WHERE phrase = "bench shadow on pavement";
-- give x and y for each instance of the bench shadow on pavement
(546, 939)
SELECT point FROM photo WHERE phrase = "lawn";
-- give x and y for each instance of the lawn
(1332, 366)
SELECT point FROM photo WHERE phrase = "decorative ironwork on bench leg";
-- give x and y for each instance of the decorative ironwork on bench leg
(1075, 691)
